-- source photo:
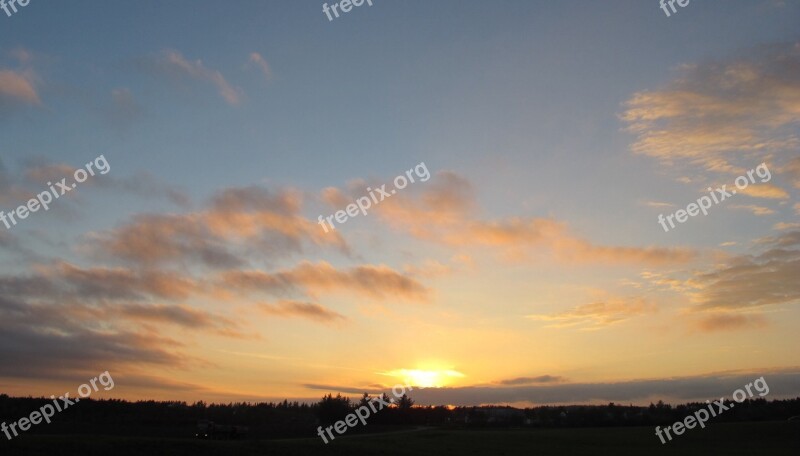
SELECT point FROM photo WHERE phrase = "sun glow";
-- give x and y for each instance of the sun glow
(424, 378)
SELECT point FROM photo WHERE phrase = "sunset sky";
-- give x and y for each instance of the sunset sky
(530, 268)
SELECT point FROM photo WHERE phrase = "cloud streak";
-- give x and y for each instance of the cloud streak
(724, 115)
(445, 211)
(598, 314)
(174, 65)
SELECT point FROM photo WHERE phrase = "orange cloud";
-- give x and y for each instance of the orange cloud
(445, 211)
(313, 278)
(307, 310)
(751, 281)
(237, 223)
(599, 314)
(722, 115)
(174, 64)
(257, 60)
(792, 169)
(755, 210)
(117, 283)
(18, 86)
(767, 191)
(730, 322)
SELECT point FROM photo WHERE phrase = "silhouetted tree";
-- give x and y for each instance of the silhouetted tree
(333, 409)
(405, 402)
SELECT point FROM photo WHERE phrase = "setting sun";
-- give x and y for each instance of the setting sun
(426, 378)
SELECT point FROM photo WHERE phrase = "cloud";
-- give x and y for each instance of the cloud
(180, 315)
(257, 60)
(792, 169)
(379, 282)
(532, 380)
(786, 226)
(756, 210)
(307, 310)
(23, 56)
(64, 281)
(344, 389)
(120, 283)
(18, 87)
(237, 224)
(42, 340)
(174, 65)
(39, 171)
(145, 185)
(60, 319)
(599, 314)
(751, 281)
(728, 321)
(124, 109)
(445, 211)
(548, 235)
(783, 383)
(658, 204)
(767, 191)
(149, 315)
(724, 115)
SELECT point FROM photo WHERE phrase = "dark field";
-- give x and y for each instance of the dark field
(757, 439)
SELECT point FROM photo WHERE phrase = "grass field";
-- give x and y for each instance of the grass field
(757, 439)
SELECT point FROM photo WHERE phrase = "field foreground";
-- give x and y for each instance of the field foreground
(762, 439)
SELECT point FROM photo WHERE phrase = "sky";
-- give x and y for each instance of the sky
(538, 256)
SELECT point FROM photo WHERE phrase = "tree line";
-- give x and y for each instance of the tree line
(296, 419)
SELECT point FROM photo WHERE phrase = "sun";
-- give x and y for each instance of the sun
(425, 378)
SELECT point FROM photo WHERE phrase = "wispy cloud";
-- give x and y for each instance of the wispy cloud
(747, 281)
(599, 314)
(658, 204)
(307, 310)
(258, 61)
(379, 282)
(173, 64)
(723, 115)
(755, 210)
(729, 321)
(18, 86)
(542, 379)
(236, 224)
(782, 226)
(446, 212)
